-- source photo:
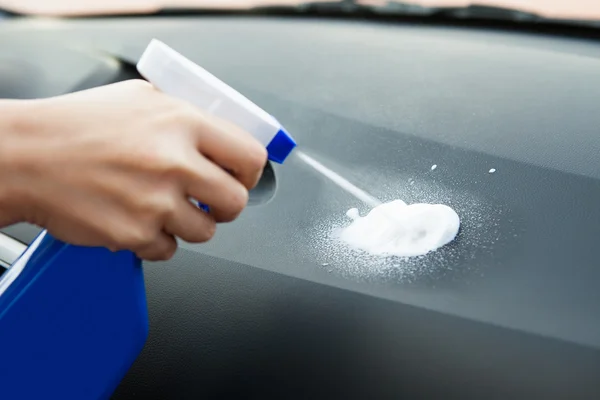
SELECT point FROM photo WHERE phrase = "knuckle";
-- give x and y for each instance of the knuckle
(154, 202)
(167, 159)
(135, 237)
(180, 168)
(151, 155)
(159, 208)
(185, 117)
(168, 208)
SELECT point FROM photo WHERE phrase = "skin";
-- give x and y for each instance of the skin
(115, 166)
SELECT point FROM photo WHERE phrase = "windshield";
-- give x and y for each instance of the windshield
(561, 9)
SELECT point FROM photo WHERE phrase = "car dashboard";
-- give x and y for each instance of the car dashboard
(273, 307)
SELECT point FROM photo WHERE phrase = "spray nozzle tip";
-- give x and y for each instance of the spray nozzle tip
(280, 146)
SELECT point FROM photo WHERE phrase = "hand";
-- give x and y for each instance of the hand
(114, 167)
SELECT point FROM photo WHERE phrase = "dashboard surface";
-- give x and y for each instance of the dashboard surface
(274, 307)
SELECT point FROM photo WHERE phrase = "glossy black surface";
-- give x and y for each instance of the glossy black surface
(273, 308)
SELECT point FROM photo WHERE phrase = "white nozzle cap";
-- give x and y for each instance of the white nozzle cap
(175, 75)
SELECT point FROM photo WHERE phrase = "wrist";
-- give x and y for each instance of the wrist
(17, 122)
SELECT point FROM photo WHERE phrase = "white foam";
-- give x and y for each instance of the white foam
(353, 213)
(398, 229)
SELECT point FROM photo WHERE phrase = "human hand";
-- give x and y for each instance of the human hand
(114, 166)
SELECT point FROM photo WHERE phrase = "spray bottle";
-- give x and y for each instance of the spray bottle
(74, 319)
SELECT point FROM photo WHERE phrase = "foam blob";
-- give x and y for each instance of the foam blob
(398, 229)
(353, 213)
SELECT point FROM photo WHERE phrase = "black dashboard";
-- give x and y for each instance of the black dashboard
(272, 308)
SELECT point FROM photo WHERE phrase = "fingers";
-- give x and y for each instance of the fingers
(221, 166)
(191, 224)
(187, 222)
(231, 148)
(161, 249)
(211, 185)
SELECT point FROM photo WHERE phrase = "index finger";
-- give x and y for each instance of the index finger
(230, 147)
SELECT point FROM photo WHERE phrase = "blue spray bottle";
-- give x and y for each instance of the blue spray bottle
(74, 319)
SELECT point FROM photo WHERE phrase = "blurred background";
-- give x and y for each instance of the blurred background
(567, 9)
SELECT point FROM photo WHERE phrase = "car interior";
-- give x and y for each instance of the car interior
(505, 104)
